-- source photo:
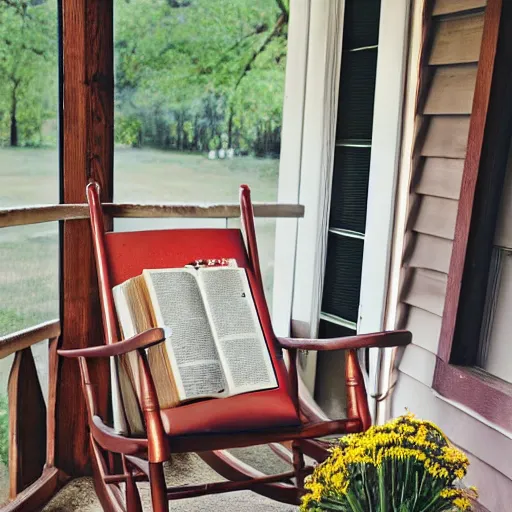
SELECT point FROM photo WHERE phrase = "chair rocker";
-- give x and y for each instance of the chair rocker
(280, 417)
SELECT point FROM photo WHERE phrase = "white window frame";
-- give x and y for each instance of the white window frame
(307, 157)
(384, 165)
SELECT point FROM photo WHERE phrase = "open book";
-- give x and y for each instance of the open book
(217, 347)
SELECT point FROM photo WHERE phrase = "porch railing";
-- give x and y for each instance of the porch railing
(31, 443)
(48, 213)
(33, 477)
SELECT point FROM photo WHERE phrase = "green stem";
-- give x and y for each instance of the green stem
(366, 489)
(406, 479)
(416, 487)
(382, 490)
(332, 505)
(430, 504)
(354, 504)
(393, 484)
(422, 480)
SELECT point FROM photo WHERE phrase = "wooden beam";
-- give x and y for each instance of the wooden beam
(47, 213)
(87, 154)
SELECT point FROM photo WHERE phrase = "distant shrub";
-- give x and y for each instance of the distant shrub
(127, 130)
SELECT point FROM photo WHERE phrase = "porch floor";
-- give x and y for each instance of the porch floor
(79, 495)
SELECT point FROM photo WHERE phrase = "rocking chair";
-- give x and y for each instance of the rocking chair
(291, 425)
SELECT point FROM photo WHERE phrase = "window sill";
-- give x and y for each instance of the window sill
(487, 396)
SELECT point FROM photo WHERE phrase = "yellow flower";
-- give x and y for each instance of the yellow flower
(398, 442)
(462, 503)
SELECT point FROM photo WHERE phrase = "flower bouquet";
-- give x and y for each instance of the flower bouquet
(406, 465)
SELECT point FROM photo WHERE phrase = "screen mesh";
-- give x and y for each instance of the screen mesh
(343, 277)
(350, 188)
(357, 94)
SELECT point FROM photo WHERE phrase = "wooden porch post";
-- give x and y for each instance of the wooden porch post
(87, 43)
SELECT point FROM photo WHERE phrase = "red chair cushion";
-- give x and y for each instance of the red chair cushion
(246, 412)
(129, 254)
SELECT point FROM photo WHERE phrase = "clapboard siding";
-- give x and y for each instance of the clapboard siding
(457, 40)
(441, 177)
(426, 290)
(426, 328)
(450, 77)
(455, 6)
(442, 127)
(431, 252)
(452, 90)
(447, 137)
(489, 445)
(436, 216)
(423, 373)
(483, 476)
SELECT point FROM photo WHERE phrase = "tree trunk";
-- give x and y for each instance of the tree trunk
(195, 141)
(14, 121)
(179, 132)
(230, 128)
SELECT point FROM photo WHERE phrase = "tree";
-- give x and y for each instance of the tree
(28, 57)
(199, 74)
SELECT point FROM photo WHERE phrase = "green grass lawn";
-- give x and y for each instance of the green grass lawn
(29, 254)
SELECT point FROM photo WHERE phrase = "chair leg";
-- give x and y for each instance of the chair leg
(298, 464)
(158, 487)
(133, 503)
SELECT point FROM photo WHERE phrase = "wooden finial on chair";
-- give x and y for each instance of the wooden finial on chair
(247, 217)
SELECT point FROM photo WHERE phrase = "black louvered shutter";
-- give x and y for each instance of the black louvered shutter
(350, 188)
(357, 92)
(349, 193)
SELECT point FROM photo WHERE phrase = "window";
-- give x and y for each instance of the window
(473, 358)
(29, 173)
(349, 193)
(495, 355)
(351, 171)
(30, 164)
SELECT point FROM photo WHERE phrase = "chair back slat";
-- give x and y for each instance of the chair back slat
(105, 288)
(247, 220)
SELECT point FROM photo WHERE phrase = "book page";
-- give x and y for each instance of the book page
(236, 325)
(178, 304)
(124, 372)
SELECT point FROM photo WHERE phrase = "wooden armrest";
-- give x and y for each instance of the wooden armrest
(142, 340)
(375, 340)
(110, 440)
